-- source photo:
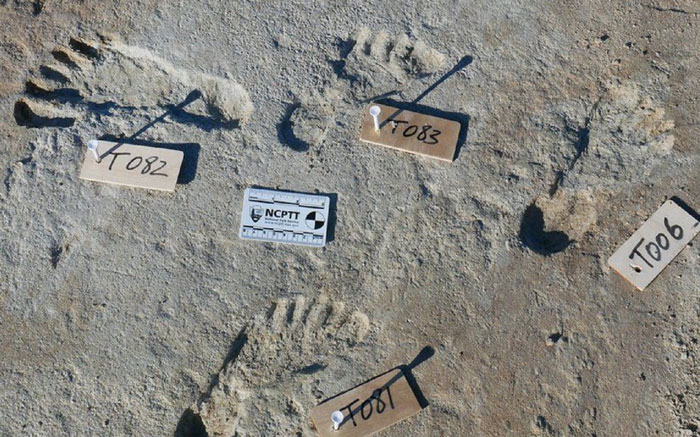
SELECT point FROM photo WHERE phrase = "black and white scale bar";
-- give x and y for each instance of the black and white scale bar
(304, 200)
(282, 236)
(284, 217)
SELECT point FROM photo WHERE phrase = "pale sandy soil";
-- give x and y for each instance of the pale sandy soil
(132, 312)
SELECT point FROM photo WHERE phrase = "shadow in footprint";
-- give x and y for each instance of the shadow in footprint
(60, 95)
(26, 117)
(190, 425)
(70, 96)
(338, 65)
(533, 235)
(38, 6)
(285, 131)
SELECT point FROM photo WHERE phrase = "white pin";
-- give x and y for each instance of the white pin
(337, 418)
(374, 112)
(92, 146)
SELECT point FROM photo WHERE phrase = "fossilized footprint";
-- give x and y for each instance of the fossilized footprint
(374, 63)
(260, 387)
(378, 59)
(625, 136)
(101, 78)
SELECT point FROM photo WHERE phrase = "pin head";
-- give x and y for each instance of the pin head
(337, 418)
(92, 146)
(374, 111)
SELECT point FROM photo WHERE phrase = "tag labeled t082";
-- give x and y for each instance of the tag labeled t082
(134, 166)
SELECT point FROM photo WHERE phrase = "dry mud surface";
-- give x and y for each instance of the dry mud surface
(130, 312)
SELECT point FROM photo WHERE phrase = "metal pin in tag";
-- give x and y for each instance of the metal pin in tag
(374, 111)
(337, 418)
(92, 146)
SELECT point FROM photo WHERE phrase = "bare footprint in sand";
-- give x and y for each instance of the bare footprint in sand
(622, 140)
(373, 63)
(379, 61)
(99, 78)
(261, 390)
(310, 118)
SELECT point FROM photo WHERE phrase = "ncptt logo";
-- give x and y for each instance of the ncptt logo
(256, 213)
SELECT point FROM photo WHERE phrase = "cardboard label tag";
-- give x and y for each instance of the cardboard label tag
(412, 132)
(133, 166)
(284, 217)
(368, 408)
(655, 244)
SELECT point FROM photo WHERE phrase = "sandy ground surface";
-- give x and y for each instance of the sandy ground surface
(131, 312)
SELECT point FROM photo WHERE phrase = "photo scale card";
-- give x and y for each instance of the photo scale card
(284, 217)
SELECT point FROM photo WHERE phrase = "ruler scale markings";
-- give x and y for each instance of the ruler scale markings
(285, 217)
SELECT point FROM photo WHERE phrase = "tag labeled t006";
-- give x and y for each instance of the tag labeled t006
(649, 250)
